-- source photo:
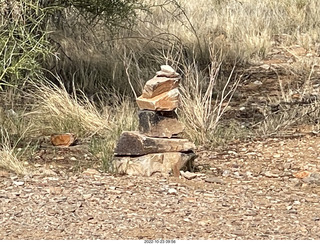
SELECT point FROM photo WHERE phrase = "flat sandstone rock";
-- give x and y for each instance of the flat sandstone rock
(147, 165)
(159, 123)
(166, 101)
(159, 85)
(132, 143)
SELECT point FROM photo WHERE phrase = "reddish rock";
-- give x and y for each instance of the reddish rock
(302, 174)
(67, 139)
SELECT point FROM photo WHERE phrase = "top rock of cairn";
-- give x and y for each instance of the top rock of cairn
(161, 93)
(167, 71)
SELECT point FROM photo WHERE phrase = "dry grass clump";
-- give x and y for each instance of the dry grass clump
(200, 111)
(9, 159)
(57, 111)
(294, 108)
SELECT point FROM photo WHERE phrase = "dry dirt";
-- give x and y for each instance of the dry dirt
(246, 190)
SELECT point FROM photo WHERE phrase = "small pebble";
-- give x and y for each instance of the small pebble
(18, 183)
(214, 180)
(172, 191)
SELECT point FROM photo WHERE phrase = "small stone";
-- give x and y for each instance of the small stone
(91, 172)
(208, 194)
(315, 175)
(66, 140)
(203, 222)
(87, 196)
(54, 190)
(302, 174)
(214, 180)
(59, 158)
(238, 233)
(73, 158)
(48, 172)
(172, 191)
(4, 173)
(167, 71)
(18, 183)
(265, 66)
(169, 210)
(270, 174)
(311, 180)
(226, 173)
(257, 82)
(188, 175)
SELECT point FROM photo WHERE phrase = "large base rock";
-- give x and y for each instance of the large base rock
(132, 143)
(147, 165)
(159, 123)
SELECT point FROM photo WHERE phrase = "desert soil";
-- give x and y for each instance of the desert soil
(245, 191)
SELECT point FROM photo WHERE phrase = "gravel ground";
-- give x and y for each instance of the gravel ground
(246, 191)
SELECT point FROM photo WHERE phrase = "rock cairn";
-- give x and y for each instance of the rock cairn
(156, 147)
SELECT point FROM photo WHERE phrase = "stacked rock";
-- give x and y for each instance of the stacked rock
(156, 147)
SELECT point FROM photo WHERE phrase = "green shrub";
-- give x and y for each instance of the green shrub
(23, 41)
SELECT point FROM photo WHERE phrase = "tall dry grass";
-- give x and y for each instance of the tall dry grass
(9, 158)
(57, 111)
(200, 111)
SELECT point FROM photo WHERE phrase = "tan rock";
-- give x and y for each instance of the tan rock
(149, 164)
(188, 175)
(167, 71)
(159, 85)
(4, 173)
(132, 143)
(159, 123)
(91, 172)
(166, 101)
